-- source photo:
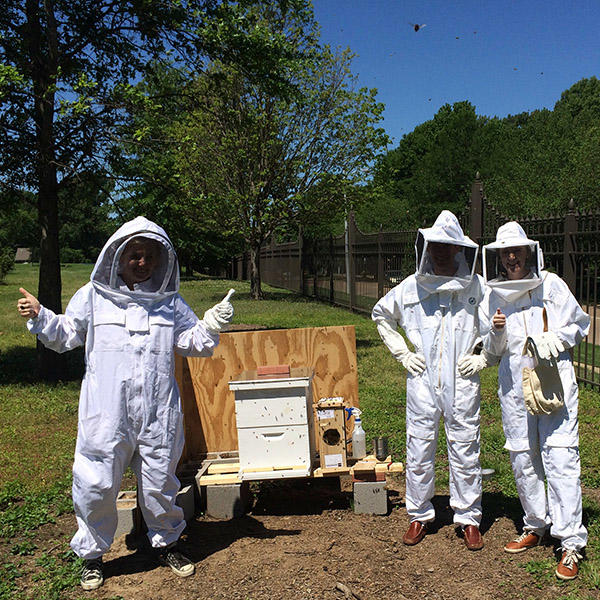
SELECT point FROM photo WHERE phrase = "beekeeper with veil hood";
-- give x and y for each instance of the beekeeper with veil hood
(130, 317)
(437, 309)
(522, 300)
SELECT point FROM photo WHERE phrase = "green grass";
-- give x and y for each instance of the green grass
(38, 426)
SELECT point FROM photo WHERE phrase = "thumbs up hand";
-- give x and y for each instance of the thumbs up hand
(224, 309)
(219, 316)
(28, 306)
(499, 320)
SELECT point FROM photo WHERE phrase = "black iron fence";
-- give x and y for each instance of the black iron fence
(354, 270)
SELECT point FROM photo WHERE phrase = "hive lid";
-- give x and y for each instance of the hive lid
(296, 373)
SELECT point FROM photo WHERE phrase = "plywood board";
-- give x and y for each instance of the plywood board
(208, 404)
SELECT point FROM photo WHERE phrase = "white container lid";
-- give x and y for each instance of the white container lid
(250, 380)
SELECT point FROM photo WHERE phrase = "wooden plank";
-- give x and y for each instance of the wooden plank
(208, 404)
(225, 479)
(218, 469)
(363, 467)
(320, 472)
(274, 468)
(290, 468)
(257, 469)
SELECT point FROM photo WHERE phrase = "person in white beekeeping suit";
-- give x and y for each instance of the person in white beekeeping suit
(437, 309)
(519, 298)
(130, 317)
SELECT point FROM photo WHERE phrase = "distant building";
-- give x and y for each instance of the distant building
(23, 255)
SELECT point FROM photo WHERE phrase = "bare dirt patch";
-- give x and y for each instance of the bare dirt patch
(302, 539)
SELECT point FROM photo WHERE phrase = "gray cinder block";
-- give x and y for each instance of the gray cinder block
(227, 501)
(185, 499)
(126, 512)
(370, 498)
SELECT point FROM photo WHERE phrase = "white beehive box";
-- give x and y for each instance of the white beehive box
(274, 423)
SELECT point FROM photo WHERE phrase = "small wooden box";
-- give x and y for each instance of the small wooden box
(330, 431)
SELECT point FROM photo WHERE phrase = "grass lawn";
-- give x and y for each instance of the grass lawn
(38, 420)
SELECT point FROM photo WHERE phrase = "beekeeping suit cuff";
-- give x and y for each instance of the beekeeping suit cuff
(413, 362)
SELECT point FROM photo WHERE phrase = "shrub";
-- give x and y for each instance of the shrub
(7, 261)
(71, 255)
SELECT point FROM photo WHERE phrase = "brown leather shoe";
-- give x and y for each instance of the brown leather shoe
(526, 540)
(567, 567)
(415, 533)
(473, 538)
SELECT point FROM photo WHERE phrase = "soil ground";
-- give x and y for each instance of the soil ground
(301, 539)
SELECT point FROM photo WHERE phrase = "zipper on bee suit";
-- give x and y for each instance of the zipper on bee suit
(524, 319)
(441, 348)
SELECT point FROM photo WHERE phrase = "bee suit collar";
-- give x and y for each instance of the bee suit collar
(445, 230)
(512, 235)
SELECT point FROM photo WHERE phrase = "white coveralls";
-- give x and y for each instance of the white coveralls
(439, 316)
(129, 407)
(539, 445)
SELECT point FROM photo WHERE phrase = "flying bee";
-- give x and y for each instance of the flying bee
(416, 26)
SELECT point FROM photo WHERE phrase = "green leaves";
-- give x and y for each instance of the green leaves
(531, 163)
(10, 79)
(233, 156)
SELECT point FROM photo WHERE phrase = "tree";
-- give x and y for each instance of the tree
(252, 163)
(431, 169)
(66, 74)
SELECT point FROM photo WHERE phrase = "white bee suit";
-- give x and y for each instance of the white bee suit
(129, 408)
(439, 316)
(539, 445)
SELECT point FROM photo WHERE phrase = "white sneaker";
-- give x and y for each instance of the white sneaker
(91, 576)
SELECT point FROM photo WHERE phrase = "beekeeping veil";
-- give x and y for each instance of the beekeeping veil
(164, 280)
(512, 235)
(445, 230)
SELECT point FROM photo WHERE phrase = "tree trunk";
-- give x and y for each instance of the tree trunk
(50, 364)
(255, 287)
(44, 69)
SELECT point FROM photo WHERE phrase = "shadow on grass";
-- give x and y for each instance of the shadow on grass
(362, 343)
(282, 297)
(18, 364)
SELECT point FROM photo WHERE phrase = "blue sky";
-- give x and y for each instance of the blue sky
(503, 57)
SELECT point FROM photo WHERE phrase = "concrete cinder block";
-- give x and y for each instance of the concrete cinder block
(126, 512)
(185, 499)
(227, 501)
(370, 498)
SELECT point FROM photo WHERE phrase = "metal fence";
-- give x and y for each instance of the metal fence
(356, 269)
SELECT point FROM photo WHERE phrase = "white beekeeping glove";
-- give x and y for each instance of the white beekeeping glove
(548, 344)
(220, 315)
(413, 362)
(469, 364)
